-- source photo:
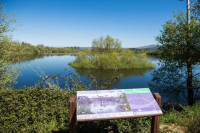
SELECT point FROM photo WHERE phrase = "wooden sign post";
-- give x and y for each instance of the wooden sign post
(114, 104)
(72, 114)
(156, 119)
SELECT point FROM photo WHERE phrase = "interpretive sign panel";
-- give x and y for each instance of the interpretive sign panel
(111, 104)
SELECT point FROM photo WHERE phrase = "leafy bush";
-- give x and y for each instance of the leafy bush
(140, 125)
(8, 75)
(34, 110)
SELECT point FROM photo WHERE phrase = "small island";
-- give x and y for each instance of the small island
(106, 53)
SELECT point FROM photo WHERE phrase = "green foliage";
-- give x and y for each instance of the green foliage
(180, 43)
(188, 117)
(196, 7)
(8, 75)
(179, 40)
(5, 27)
(105, 45)
(5, 22)
(34, 110)
(107, 54)
(12, 50)
(113, 60)
(138, 125)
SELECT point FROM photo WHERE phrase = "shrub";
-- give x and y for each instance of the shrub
(125, 60)
(8, 75)
(106, 53)
(34, 110)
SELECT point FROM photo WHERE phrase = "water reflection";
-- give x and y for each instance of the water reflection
(168, 78)
(107, 79)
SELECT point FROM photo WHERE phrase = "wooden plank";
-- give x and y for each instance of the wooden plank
(72, 114)
(115, 118)
(156, 119)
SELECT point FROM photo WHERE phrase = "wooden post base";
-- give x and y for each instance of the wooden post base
(156, 119)
(72, 114)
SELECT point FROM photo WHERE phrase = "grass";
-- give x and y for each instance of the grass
(187, 120)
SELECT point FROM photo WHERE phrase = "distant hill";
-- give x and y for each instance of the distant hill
(152, 46)
(84, 48)
(147, 47)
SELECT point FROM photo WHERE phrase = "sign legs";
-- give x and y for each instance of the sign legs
(156, 119)
(72, 114)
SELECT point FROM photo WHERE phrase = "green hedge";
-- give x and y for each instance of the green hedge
(34, 110)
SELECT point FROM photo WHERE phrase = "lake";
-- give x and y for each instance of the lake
(107, 79)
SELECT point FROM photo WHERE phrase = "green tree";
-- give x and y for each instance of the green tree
(8, 74)
(106, 44)
(180, 42)
(5, 26)
(5, 22)
(196, 7)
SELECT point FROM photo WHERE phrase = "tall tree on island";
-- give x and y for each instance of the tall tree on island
(106, 45)
(180, 42)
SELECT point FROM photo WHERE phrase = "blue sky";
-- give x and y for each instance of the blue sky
(64, 23)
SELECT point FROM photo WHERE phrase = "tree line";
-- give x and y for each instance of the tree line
(11, 49)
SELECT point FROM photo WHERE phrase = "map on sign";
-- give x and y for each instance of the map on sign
(108, 104)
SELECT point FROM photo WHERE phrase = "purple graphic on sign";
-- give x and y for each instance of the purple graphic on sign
(142, 102)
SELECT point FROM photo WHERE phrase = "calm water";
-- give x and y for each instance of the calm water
(50, 64)
(109, 79)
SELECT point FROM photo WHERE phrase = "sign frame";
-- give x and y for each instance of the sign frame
(73, 115)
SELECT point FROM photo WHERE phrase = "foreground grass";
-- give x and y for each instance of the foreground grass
(187, 120)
